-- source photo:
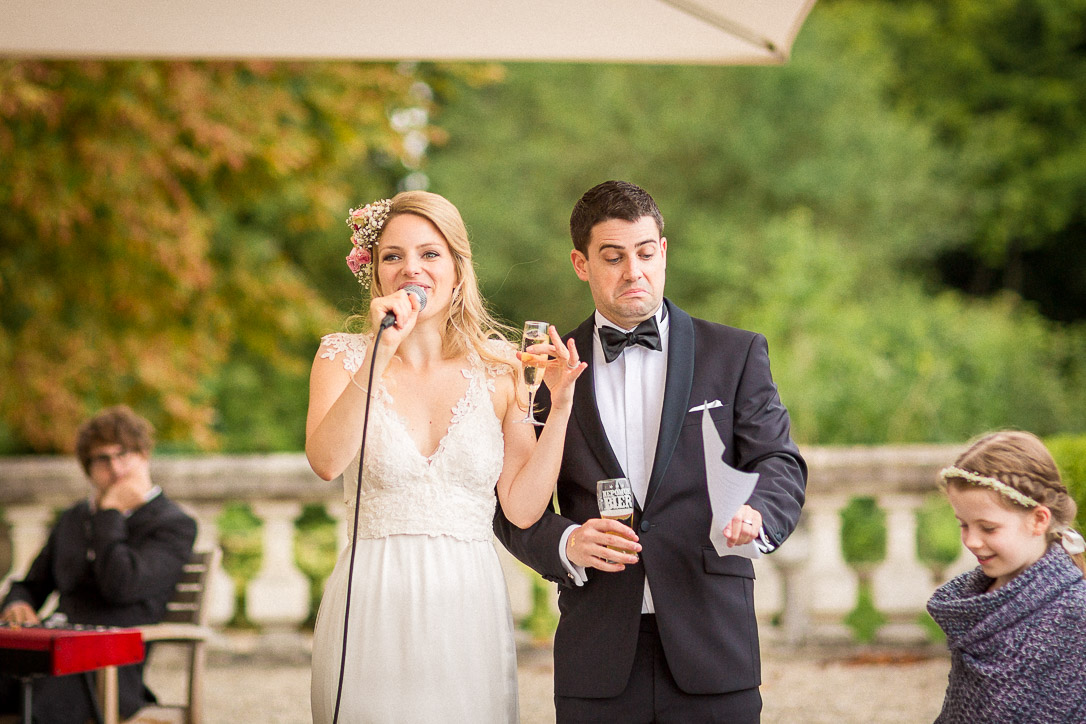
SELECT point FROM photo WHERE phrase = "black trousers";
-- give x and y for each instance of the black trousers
(651, 695)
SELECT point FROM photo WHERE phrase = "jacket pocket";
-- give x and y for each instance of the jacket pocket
(726, 565)
(716, 413)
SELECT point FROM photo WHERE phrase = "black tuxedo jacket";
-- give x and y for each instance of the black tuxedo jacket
(704, 603)
(108, 570)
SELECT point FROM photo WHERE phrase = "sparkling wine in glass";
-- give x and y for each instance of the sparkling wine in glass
(533, 364)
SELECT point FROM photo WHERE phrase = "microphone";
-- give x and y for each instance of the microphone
(420, 294)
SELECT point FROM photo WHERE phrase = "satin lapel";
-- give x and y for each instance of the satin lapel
(677, 383)
(584, 405)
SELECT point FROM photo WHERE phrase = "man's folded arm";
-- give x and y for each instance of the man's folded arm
(540, 547)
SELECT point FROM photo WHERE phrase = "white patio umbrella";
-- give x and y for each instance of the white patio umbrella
(724, 32)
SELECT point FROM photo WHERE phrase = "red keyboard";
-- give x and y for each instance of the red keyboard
(37, 650)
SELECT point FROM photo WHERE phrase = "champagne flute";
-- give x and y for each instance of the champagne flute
(533, 364)
(616, 501)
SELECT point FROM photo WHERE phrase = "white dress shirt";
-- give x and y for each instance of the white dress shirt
(630, 401)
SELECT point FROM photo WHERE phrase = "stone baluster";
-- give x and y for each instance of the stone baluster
(29, 531)
(278, 598)
(902, 584)
(768, 591)
(832, 584)
(791, 561)
(221, 590)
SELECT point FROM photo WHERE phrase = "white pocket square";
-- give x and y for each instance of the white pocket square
(707, 406)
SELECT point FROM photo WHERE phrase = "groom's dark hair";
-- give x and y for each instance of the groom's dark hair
(606, 201)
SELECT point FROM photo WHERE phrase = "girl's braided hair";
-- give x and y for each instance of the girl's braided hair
(1020, 460)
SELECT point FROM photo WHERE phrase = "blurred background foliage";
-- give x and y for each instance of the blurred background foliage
(900, 209)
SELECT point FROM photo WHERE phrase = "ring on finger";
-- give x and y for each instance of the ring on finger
(748, 522)
(571, 364)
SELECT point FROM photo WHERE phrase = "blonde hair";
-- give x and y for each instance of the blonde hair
(469, 324)
(1020, 461)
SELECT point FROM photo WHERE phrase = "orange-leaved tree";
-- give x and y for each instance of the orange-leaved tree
(171, 235)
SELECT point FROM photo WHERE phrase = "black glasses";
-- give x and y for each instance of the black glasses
(106, 459)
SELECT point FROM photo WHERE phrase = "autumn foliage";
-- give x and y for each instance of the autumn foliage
(166, 232)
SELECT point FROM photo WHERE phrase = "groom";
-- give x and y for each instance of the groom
(663, 630)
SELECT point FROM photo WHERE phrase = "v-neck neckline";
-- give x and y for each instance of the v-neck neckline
(460, 409)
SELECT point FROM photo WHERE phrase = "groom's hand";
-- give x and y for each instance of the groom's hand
(744, 527)
(587, 546)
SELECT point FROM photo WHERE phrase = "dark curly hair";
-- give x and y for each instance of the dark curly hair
(117, 425)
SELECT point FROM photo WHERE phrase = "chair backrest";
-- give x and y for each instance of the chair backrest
(190, 594)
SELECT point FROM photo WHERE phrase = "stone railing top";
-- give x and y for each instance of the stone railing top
(57, 480)
(872, 470)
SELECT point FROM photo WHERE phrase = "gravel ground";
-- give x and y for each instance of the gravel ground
(267, 682)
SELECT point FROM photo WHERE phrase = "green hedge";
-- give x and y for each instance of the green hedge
(1070, 454)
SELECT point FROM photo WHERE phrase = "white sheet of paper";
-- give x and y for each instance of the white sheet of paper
(729, 489)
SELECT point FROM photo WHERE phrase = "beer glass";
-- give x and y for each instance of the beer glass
(616, 501)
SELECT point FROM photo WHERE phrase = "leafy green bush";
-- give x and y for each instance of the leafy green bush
(865, 620)
(1070, 454)
(863, 531)
(242, 548)
(542, 621)
(316, 549)
(938, 539)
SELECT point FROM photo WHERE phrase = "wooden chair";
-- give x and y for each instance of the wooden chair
(185, 625)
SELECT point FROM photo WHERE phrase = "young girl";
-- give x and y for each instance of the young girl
(1016, 625)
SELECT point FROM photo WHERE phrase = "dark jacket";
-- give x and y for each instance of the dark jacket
(704, 603)
(108, 570)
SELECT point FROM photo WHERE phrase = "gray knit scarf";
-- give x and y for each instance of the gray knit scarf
(1018, 654)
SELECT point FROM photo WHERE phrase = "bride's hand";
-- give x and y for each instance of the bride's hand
(404, 307)
(562, 370)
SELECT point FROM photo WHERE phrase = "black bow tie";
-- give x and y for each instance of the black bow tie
(646, 334)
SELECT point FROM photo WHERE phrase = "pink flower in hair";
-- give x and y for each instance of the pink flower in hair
(366, 224)
(358, 258)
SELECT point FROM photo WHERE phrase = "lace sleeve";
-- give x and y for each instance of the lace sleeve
(505, 354)
(353, 347)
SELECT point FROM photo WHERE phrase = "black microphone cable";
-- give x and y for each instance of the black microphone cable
(387, 322)
(354, 528)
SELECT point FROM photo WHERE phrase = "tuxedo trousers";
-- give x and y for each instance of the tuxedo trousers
(651, 695)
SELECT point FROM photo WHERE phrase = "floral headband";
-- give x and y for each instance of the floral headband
(366, 224)
(1070, 538)
(997, 485)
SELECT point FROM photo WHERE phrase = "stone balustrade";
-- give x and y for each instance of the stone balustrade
(803, 593)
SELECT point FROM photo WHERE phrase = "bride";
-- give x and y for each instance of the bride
(429, 630)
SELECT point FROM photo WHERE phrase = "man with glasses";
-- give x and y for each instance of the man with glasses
(113, 559)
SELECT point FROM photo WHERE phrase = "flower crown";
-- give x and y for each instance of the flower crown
(995, 484)
(366, 224)
(1070, 538)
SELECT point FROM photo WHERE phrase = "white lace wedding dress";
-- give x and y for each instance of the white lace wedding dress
(430, 636)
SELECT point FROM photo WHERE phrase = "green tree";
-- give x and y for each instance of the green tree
(1003, 85)
(799, 202)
